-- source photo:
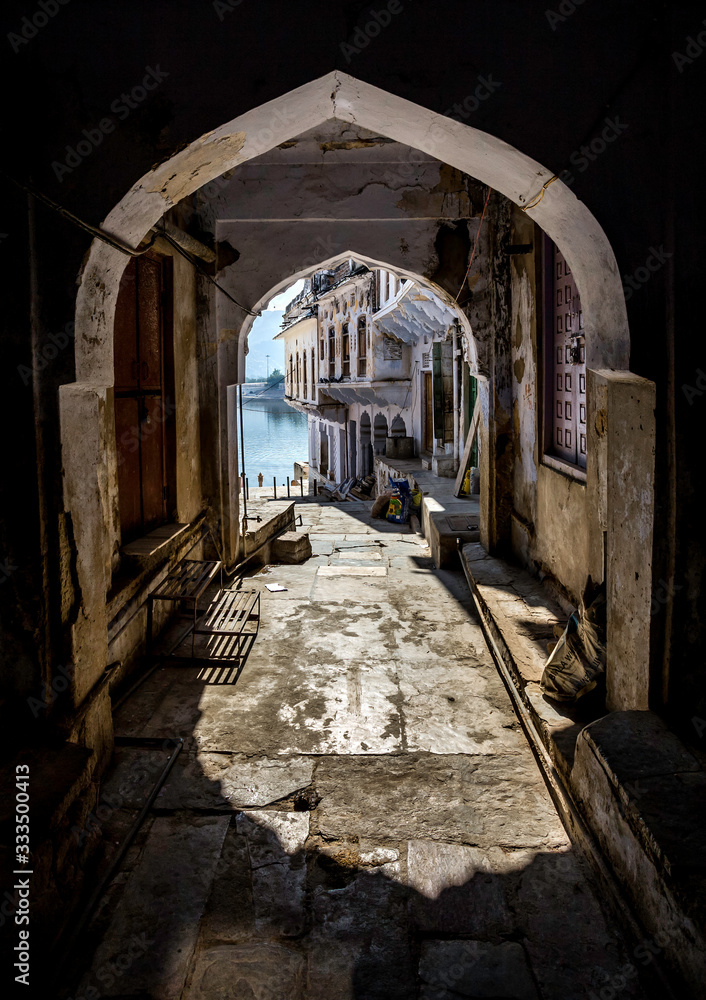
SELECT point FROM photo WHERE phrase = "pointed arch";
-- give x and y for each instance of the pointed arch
(560, 214)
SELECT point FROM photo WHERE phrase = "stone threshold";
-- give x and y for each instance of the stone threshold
(637, 787)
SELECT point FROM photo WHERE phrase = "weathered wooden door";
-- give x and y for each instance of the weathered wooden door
(144, 409)
(567, 372)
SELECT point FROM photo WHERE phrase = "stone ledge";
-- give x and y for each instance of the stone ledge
(276, 515)
(442, 532)
(642, 793)
(638, 788)
(521, 615)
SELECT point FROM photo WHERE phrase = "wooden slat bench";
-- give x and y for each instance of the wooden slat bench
(186, 583)
(229, 612)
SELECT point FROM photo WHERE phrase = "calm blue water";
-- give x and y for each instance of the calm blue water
(274, 441)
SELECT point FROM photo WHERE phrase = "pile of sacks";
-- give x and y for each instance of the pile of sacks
(397, 502)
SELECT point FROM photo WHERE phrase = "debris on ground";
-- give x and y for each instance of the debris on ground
(578, 660)
(350, 489)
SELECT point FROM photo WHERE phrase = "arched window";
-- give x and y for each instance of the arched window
(331, 352)
(346, 351)
(305, 386)
(362, 347)
(290, 375)
(379, 433)
(398, 427)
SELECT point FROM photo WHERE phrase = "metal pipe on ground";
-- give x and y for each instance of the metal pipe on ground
(150, 742)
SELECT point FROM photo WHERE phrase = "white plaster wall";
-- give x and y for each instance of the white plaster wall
(561, 542)
(300, 339)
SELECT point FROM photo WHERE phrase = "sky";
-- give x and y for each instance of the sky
(265, 327)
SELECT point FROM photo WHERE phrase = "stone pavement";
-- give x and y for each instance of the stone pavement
(359, 816)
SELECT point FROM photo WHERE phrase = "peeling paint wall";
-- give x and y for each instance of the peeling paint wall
(550, 519)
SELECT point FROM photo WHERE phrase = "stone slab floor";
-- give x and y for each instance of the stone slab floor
(358, 816)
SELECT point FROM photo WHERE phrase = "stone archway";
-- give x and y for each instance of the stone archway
(87, 428)
(493, 162)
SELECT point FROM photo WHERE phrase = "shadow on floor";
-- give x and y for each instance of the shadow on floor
(285, 866)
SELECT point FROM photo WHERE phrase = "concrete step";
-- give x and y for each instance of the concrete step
(291, 547)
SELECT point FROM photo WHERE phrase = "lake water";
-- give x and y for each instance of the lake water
(274, 440)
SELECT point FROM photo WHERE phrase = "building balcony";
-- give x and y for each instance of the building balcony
(368, 392)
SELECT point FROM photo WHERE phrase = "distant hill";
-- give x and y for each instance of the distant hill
(260, 344)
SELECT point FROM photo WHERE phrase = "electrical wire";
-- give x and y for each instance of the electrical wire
(475, 244)
(533, 202)
(195, 264)
(100, 234)
(116, 242)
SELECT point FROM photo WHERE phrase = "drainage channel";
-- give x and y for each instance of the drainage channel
(176, 743)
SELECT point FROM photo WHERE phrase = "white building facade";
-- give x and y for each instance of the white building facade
(376, 363)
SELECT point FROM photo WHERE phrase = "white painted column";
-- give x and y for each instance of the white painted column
(87, 428)
(621, 484)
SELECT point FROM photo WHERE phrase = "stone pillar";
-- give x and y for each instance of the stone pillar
(87, 430)
(490, 317)
(230, 487)
(620, 479)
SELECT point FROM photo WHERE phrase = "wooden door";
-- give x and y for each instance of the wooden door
(567, 373)
(144, 410)
(323, 458)
(352, 448)
(149, 312)
(428, 430)
(127, 424)
(126, 359)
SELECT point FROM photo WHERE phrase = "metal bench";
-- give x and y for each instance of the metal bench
(186, 583)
